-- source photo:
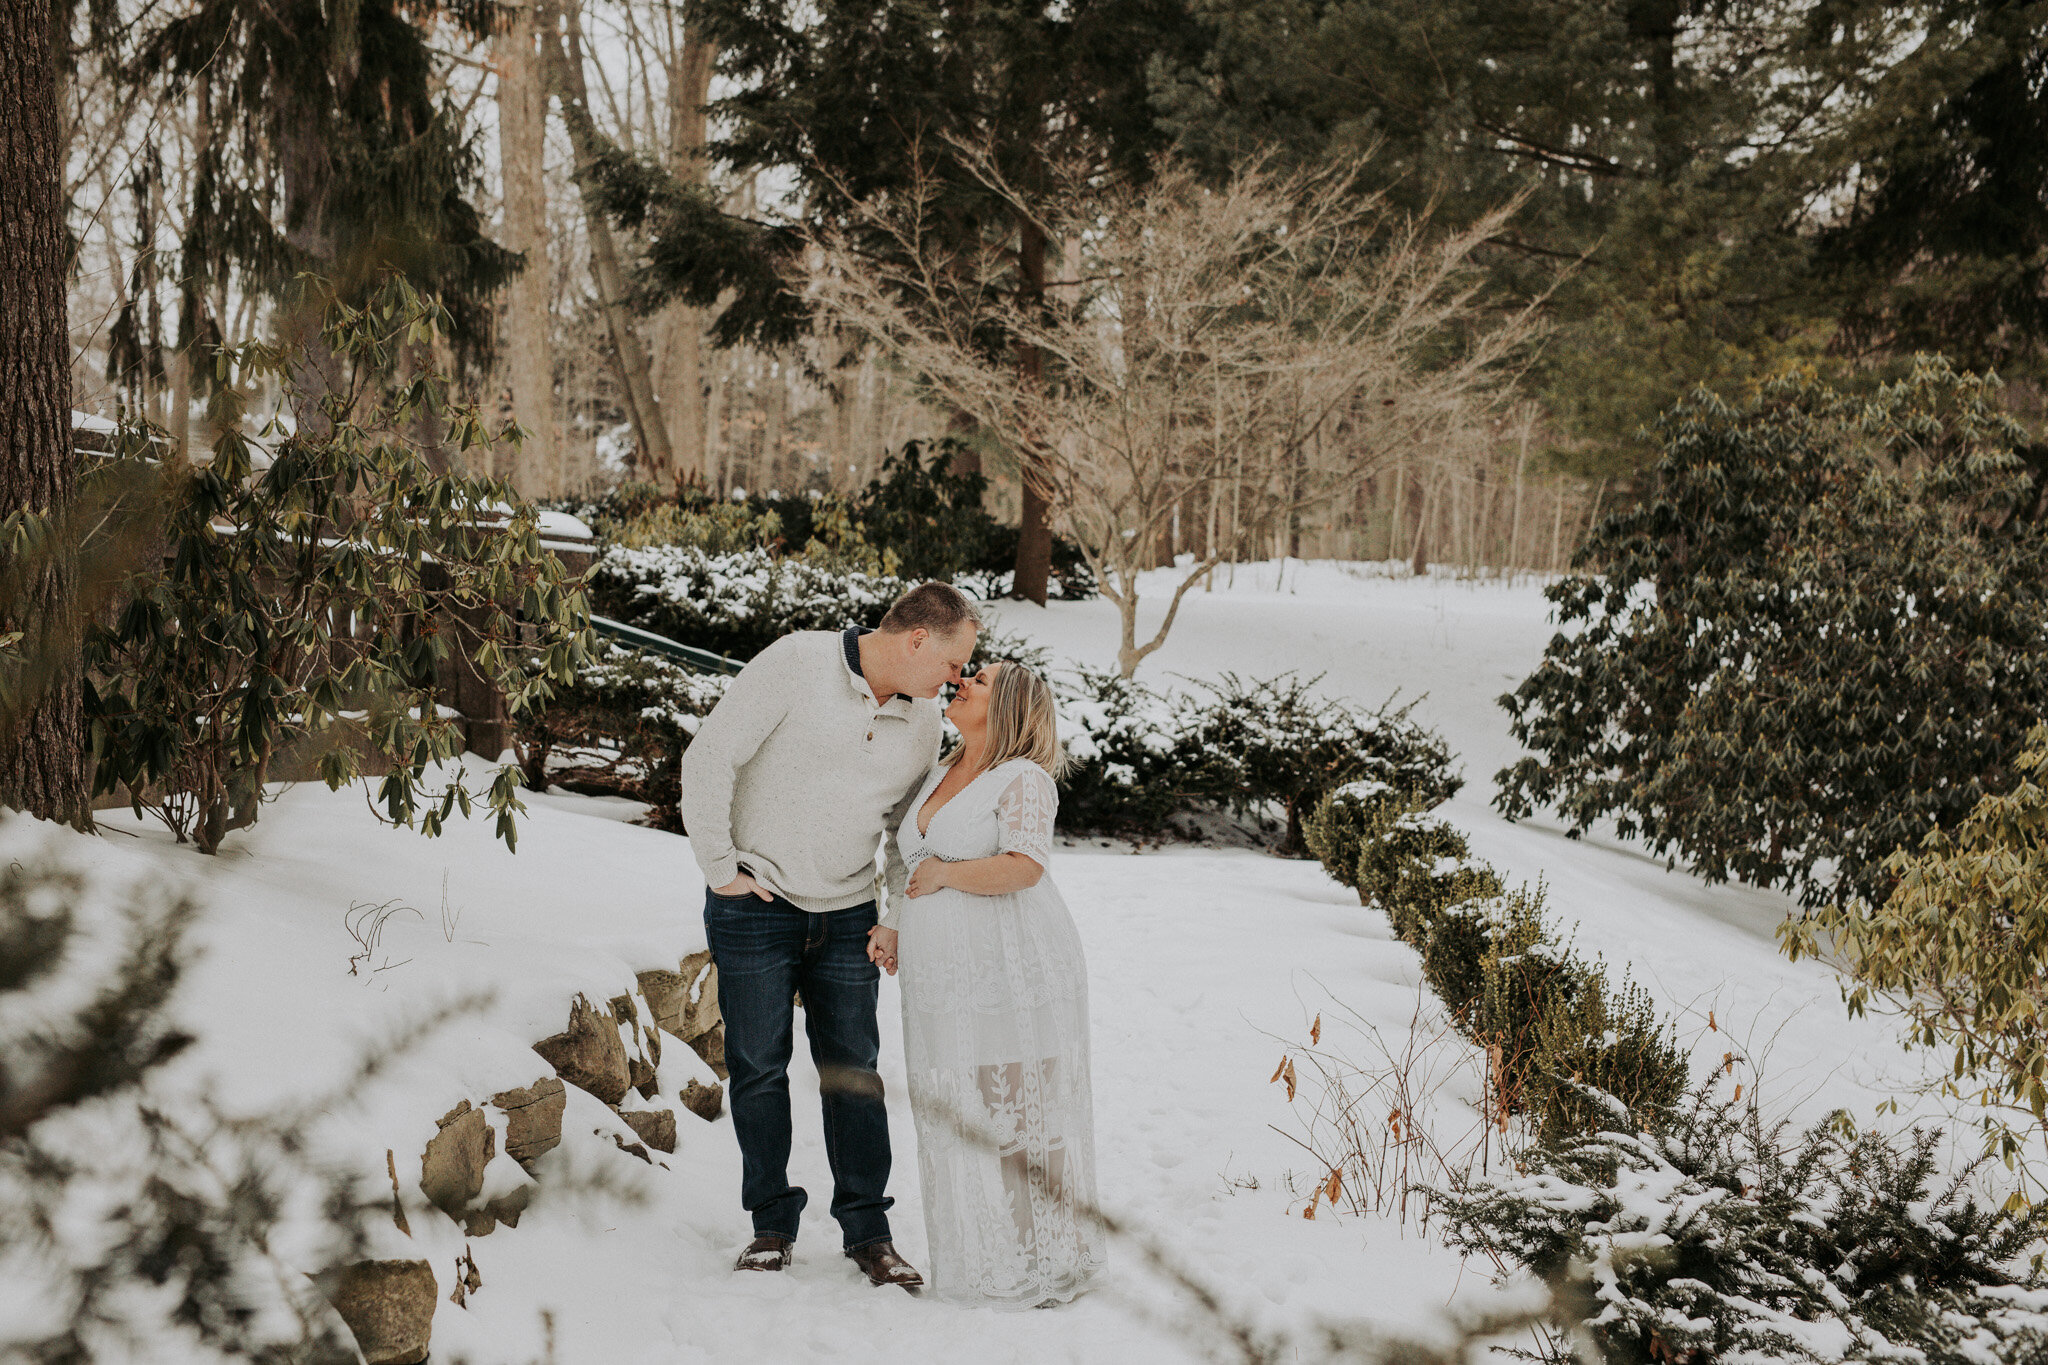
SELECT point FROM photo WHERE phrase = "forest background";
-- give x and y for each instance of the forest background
(607, 196)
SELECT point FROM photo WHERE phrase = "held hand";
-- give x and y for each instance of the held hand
(743, 885)
(929, 877)
(882, 948)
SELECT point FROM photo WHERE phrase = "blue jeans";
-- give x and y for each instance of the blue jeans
(766, 952)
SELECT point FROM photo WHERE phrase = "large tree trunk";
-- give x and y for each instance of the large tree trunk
(681, 327)
(529, 354)
(308, 174)
(42, 745)
(636, 380)
(1034, 535)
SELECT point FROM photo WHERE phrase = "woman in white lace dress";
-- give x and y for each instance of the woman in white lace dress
(995, 1009)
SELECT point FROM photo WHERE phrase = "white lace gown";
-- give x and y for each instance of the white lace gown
(995, 1035)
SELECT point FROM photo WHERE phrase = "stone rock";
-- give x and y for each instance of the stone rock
(710, 1046)
(634, 1148)
(507, 1207)
(452, 1167)
(700, 996)
(666, 994)
(389, 1307)
(656, 1128)
(643, 1058)
(533, 1119)
(685, 1003)
(705, 1101)
(589, 1054)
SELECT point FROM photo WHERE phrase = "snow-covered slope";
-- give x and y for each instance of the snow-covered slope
(1459, 645)
(1204, 964)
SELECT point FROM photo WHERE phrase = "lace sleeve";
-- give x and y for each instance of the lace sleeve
(1024, 815)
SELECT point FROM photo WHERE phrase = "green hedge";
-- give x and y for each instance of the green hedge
(1561, 1036)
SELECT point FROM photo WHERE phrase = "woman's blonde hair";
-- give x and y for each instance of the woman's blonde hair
(1022, 721)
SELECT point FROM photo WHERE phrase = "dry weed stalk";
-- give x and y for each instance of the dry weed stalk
(1374, 1125)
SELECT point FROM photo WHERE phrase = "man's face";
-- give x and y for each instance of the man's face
(936, 660)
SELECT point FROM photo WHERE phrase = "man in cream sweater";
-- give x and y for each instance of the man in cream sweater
(805, 765)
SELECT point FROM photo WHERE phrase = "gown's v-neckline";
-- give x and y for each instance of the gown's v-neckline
(924, 828)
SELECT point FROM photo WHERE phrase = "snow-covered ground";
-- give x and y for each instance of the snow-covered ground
(1204, 964)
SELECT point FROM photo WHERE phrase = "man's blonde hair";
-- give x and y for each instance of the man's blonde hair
(1022, 721)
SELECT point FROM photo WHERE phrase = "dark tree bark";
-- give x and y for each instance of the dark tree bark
(1034, 535)
(42, 745)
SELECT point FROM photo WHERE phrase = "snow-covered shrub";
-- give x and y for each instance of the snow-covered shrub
(1273, 740)
(1457, 940)
(1383, 843)
(1707, 1236)
(1551, 1021)
(1336, 829)
(734, 604)
(620, 728)
(992, 644)
(916, 520)
(1134, 766)
(1146, 756)
(137, 1224)
(1416, 866)
(1562, 1037)
(717, 528)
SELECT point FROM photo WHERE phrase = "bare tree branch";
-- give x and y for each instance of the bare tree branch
(1283, 335)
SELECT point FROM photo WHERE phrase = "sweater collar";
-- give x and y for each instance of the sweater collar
(849, 640)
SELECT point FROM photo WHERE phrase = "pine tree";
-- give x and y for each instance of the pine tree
(1944, 242)
(1637, 128)
(333, 161)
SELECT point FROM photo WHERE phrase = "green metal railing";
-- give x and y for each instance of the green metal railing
(703, 660)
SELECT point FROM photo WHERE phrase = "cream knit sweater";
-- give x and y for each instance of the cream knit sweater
(798, 772)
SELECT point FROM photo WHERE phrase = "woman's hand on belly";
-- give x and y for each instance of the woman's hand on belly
(929, 876)
(997, 876)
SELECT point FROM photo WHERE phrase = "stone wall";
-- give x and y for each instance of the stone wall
(612, 1052)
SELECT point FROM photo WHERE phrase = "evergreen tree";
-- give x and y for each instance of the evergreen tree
(332, 160)
(1745, 184)
(1818, 637)
(1944, 241)
(1635, 126)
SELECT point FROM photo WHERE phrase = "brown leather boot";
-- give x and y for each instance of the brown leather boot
(884, 1266)
(766, 1252)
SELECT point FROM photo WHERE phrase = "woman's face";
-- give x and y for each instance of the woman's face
(969, 710)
